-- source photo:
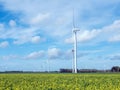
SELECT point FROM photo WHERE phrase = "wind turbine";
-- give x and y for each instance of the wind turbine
(73, 70)
(75, 30)
(48, 64)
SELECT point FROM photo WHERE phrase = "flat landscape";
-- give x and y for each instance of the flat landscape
(51, 81)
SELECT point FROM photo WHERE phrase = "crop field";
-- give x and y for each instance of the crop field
(41, 81)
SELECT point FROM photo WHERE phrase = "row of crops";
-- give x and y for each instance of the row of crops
(60, 81)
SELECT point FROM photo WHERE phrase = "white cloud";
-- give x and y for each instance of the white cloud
(87, 35)
(12, 23)
(1, 26)
(9, 57)
(115, 38)
(69, 40)
(21, 35)
(39, 18)
(113, 56)
(84, 36)
(35, 55)
(54, 53)
(109, 33)
(117, 22)
(36, 39)
(4, 44)
(32, 56)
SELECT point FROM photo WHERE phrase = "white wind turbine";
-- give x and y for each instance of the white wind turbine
(75, 30)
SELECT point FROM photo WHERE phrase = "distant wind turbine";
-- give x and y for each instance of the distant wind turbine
(73, 70)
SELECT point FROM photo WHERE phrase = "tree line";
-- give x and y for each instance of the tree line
(113, 69)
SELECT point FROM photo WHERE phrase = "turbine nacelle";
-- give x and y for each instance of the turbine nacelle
(75, 30)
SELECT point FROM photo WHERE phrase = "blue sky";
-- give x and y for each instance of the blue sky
(37, 34)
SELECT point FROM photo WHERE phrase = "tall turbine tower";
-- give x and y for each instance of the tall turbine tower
(75, 30)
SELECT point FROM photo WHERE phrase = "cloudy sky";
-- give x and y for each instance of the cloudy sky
(37, 34)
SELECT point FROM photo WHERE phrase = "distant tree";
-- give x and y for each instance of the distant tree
(65, 70)
(115, 69)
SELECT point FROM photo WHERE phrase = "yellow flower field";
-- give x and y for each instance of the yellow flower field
(40, 81)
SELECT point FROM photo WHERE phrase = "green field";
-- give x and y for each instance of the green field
(60, 81)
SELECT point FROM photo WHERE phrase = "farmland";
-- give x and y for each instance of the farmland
(44, 81)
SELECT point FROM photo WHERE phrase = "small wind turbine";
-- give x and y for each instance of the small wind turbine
(75, 30)
(73, 70)
(48, 64)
